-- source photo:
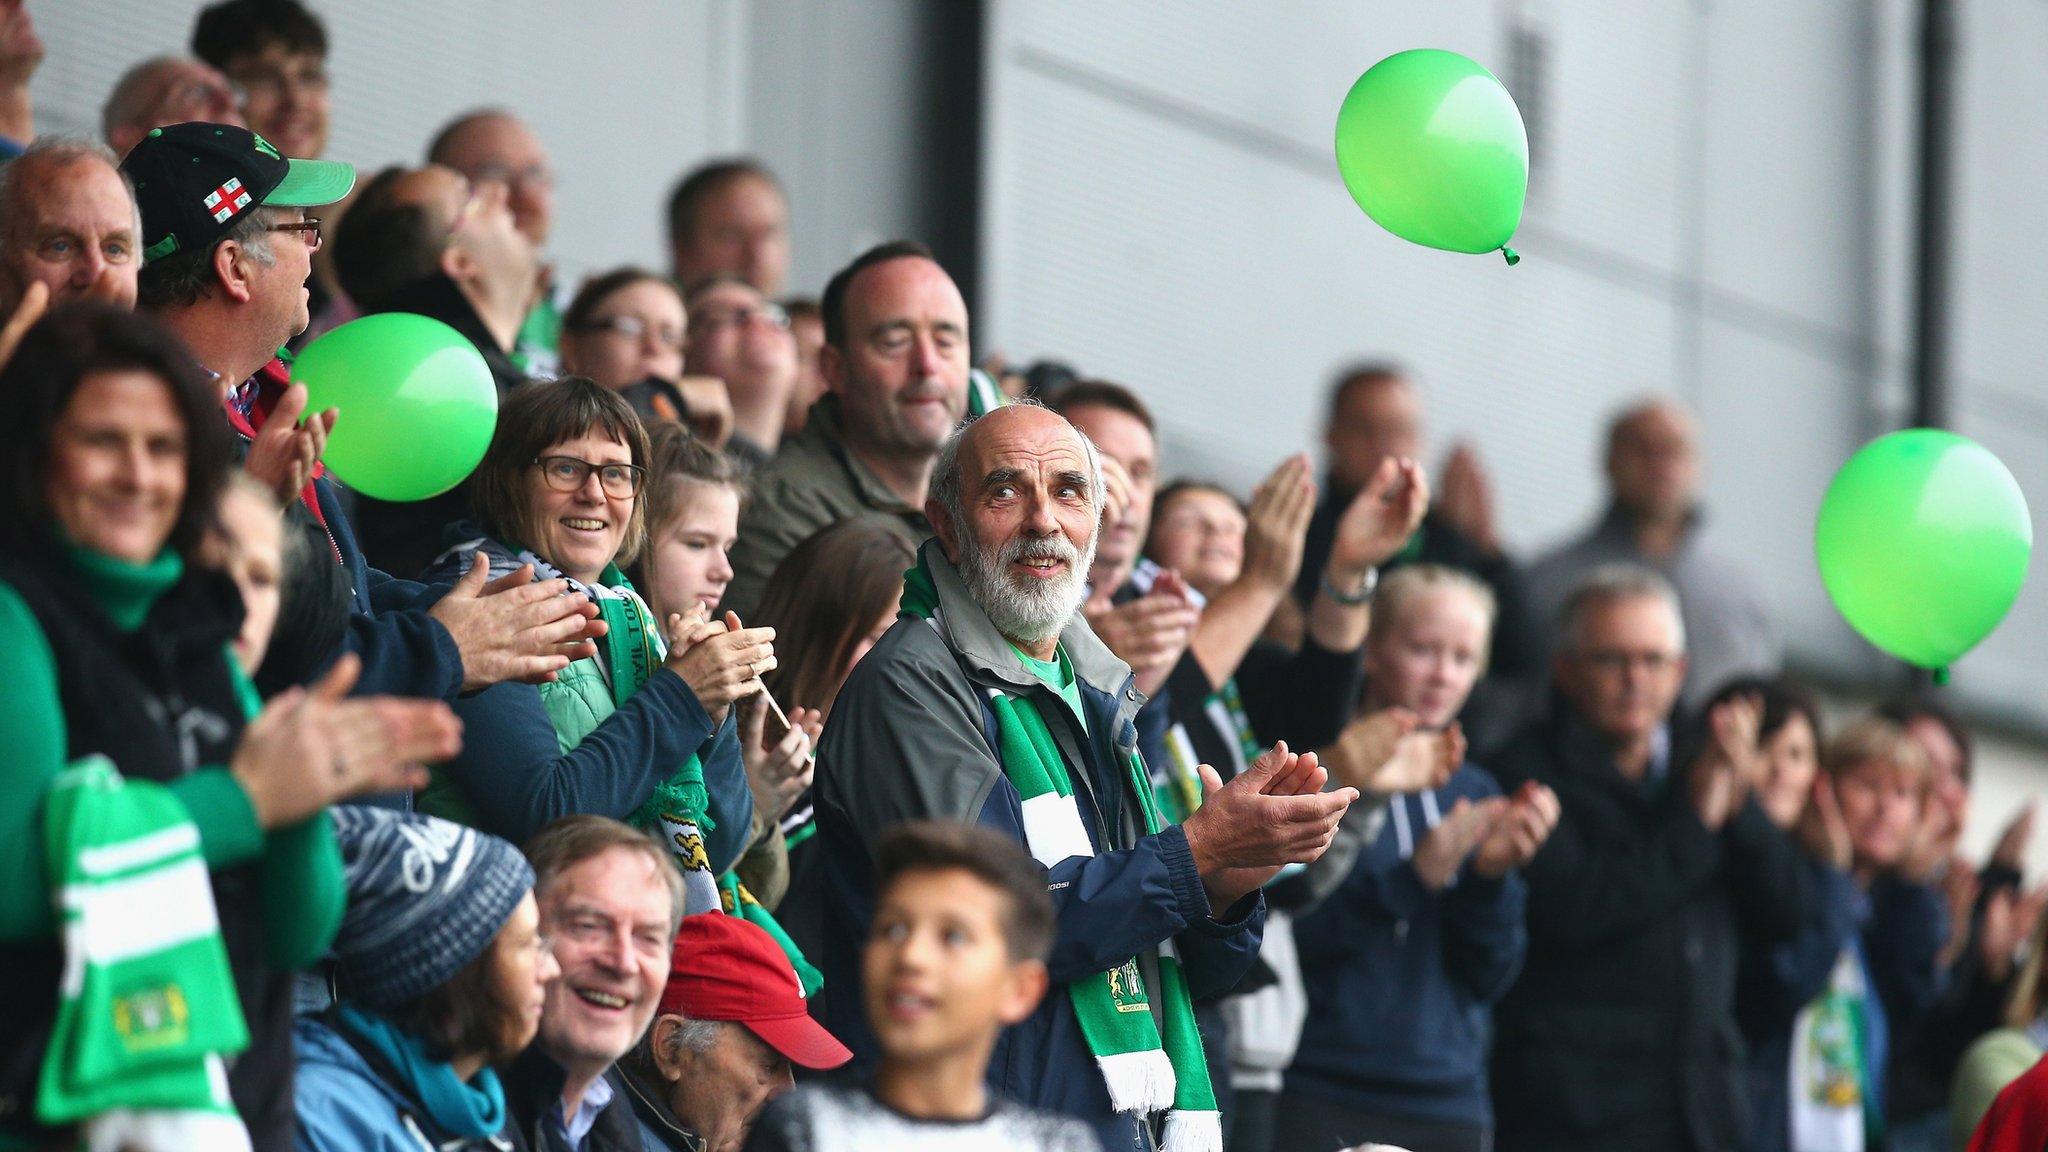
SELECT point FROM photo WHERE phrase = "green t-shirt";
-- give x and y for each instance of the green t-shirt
(1058, 674)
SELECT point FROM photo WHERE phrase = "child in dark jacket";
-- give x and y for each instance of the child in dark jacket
(1820, 1011)
(1404, 960)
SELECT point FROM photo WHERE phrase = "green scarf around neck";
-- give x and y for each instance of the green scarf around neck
(1144, 1071)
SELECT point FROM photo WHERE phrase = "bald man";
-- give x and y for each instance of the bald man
(1653, 519)
(492, 146)
(68, 220)
(987, 688)
(166, 90)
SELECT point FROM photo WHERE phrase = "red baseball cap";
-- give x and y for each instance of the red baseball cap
(727, 969)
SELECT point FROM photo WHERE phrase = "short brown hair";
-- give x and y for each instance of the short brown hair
(535, 418)
(704, 180)
(571, 840)
(599, 288)
(1103, 394)
(1874, 739)
(990, 857)
(384, 244)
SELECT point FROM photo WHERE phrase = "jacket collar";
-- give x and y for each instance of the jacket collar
(971, 633)
(824, 433)
(440, 298)
(654, 1112)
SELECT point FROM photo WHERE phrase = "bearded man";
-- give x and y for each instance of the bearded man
(990, 701)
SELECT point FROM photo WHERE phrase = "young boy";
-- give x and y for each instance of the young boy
(962, 928)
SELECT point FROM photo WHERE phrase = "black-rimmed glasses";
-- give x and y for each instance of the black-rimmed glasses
(568, 474)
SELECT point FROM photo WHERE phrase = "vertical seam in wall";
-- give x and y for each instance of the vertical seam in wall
(1688, 348)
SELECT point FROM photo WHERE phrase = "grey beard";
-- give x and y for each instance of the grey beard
(1035, 613)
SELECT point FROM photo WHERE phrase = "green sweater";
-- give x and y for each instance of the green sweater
(303, 896)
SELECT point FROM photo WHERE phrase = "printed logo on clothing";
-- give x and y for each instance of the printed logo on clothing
(227, 200)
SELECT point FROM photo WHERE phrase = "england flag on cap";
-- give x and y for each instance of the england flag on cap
(227, 200)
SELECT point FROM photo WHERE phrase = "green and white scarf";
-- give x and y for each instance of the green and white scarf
(1143, 1074)
(147, 1007)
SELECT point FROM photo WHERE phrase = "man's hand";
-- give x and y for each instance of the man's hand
(2011, 849)
(515, 628)
(1530, 818)
(1116, 489)
(1443, 851)
(1273, 814)
(1384, 755)
(1379, 520)
(1148, 633)
(710, 408)
(1467, 499)
(283, 453)
(2009, 919)
(1276, 526)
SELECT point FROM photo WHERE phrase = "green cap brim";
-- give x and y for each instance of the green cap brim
(311, 183)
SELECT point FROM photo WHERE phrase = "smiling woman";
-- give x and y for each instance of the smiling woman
(641, 732)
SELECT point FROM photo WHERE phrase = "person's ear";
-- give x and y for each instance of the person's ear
(832, 367)
(659, 1046)
(1022, 990)
(456, 262)
(232, 268)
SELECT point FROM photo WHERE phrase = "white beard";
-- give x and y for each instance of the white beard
(1031, 611)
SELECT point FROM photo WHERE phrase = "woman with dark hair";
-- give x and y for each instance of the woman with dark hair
(625, 330)
(829, 600)
(442, 971)
(118, 647)
(642, 732)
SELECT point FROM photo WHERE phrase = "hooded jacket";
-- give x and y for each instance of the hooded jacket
(913, 737)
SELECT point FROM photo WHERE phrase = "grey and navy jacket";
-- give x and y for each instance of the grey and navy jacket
(913, 736)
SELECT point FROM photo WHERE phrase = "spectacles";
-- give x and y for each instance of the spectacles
(771, 315)
(270, 83)
(634, 328)
(310, 226)
(531, 176)
(1618, 663)
(568, 474)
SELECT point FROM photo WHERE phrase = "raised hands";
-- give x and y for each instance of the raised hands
(284, 452)
(1276, 526)
(720, 660)
(1443, 851)
(1822, 830)
(1379, 520)
(1466, 501)
(778, 772)
(312, 747)
(1526, 821)
(1148, 633)
(1383, 754)
(1731, 764)
(514, 628)
(1272, 814)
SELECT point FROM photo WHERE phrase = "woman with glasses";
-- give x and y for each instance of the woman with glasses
(441, 971)
(643, 731)
(626, 329)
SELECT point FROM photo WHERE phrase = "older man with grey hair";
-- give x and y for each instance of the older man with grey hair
(68, 221)
(1619, 1033)
(166, 90)
(991, 701)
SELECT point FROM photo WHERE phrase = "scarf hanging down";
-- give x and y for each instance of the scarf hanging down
(1143, 1074)
(147, 1008)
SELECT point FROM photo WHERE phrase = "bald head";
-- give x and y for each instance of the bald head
(166, 90)
(493, 147)
(1653, 467)
(1016, 500)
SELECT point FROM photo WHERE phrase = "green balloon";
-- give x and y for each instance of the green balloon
(1923, 540)
(416, 401)
(1432, 147)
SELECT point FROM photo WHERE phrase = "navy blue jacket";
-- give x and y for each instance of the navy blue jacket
(913, 737)
(1902, 928)
(1400, 979)
(514, 774)
(404, 651)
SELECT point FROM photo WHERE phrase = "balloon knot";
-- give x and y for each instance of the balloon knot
(1941, 676)
(1510, 255)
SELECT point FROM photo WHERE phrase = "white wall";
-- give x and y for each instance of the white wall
(1719, 208)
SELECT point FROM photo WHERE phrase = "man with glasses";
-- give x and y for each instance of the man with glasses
(275, 51)
(69, 222)
(166, 90)
(1653, 518)
(427, 241)
(1620, 1031)
(492, 147)
(740, 336)
(226, 247)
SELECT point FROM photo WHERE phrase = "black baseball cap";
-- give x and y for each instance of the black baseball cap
(193, 181)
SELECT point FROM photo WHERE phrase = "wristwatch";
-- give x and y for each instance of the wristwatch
(1366, 585)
